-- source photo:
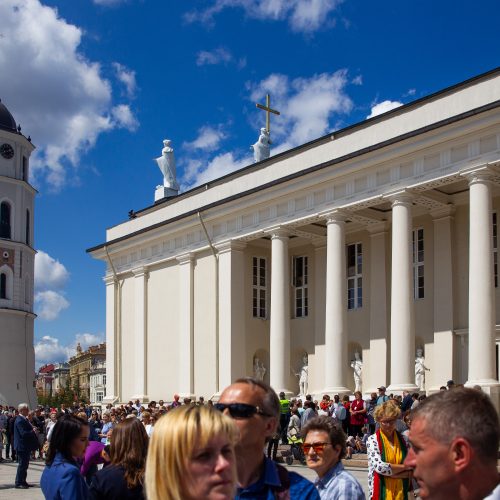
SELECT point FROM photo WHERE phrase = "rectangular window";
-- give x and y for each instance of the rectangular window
(104, 380)
(418, 263)
(259, 287)
(301, 285)
(354, 276)
(99, 397)
(495, 248)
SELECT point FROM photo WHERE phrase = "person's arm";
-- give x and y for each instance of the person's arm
(397, 471)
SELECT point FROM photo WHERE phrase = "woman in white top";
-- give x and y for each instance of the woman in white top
(147, 422)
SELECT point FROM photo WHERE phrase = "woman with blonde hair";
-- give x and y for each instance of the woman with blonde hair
(191, 456)
(388, 478)
(123, 479)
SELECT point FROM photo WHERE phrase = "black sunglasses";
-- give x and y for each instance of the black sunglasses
(241, 410)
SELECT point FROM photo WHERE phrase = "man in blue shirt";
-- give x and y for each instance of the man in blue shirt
(324, 447)
(255, 408)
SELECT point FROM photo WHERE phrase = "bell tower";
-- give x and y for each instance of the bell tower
(17, 265)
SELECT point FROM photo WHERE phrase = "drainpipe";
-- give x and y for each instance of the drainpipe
(216, 257)
(117, 326)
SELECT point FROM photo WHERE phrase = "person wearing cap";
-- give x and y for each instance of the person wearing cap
(382, 397)
(450, 384)
(284, 417)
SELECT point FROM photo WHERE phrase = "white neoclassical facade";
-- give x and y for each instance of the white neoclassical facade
(17, 259)
(363, 245)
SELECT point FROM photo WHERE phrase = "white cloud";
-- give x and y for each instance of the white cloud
(211, 57)
(302, 15)
(124, 118)
(208, 139)
(49, 304)
(127, 77)
(358, 80)
(49, 350)
(308, 108)
(57, 94)
(307, 105)
(383, 107)
(49, 272)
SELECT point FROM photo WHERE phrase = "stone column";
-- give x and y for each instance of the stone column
(317, 360)
(186, 325)
(482, 369)
(111, 344)
(140, 334)
(279, 370)
(232, 352)
(336, 361)
(443, 349)
(378, 308)
(402, 311)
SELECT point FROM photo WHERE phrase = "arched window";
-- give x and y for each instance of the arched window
(5, 220)
(27, 227)
(3, 286)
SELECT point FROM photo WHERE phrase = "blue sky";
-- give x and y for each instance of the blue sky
(98, 84)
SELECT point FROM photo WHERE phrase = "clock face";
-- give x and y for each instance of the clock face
(6, 151)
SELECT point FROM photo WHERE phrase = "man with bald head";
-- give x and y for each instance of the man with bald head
(255, 409)
(454, 438)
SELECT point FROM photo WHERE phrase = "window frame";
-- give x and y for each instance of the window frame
(418, 265)
(8, 225)
(300, 291)
(494, 220)
(356, 301)
(259, 290)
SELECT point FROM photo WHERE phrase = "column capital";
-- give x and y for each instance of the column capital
(334, 216)
(402, 197)
(140, 272)
(278, 232)
(376, 229)
(229, 246)
(185, 258)
(443, 213)
(479, 174)
(110, 279)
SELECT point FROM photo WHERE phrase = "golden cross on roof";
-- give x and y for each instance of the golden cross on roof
(267, 108)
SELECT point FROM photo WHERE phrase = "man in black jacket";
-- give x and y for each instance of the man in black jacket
(25, 441)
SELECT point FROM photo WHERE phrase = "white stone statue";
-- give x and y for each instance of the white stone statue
(261, 149)
(357, 366)
(303, 375)
(166, 163)
(420, 370)
(259, 370)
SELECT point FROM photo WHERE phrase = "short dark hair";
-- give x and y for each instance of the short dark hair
(327, 424)
(67, 429)
(462, 412)
(270, 402)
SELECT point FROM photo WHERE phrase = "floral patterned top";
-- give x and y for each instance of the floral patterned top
(375, 463)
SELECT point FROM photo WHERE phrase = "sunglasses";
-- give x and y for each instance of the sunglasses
(241, 410)
(317, 447)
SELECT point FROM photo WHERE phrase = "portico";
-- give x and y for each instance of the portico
(377, 239)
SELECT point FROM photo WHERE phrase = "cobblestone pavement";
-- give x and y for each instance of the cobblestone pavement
(8, 474)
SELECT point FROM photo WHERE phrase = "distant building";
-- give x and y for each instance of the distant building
(98, 382)
(80, 367)
(17, 259)
(60, 377)
(44, 380)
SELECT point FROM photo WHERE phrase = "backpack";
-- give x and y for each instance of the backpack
(341, 412)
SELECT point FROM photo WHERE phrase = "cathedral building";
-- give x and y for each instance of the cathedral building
(372, 248)
(17, 259)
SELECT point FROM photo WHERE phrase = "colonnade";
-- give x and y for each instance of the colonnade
(482, 366)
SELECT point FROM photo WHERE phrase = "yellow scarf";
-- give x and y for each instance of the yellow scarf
(393, 455)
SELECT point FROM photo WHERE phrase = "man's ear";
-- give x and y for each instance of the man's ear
(271, 426)
(461, 453)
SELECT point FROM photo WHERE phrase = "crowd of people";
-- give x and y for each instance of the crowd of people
(445, 446)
